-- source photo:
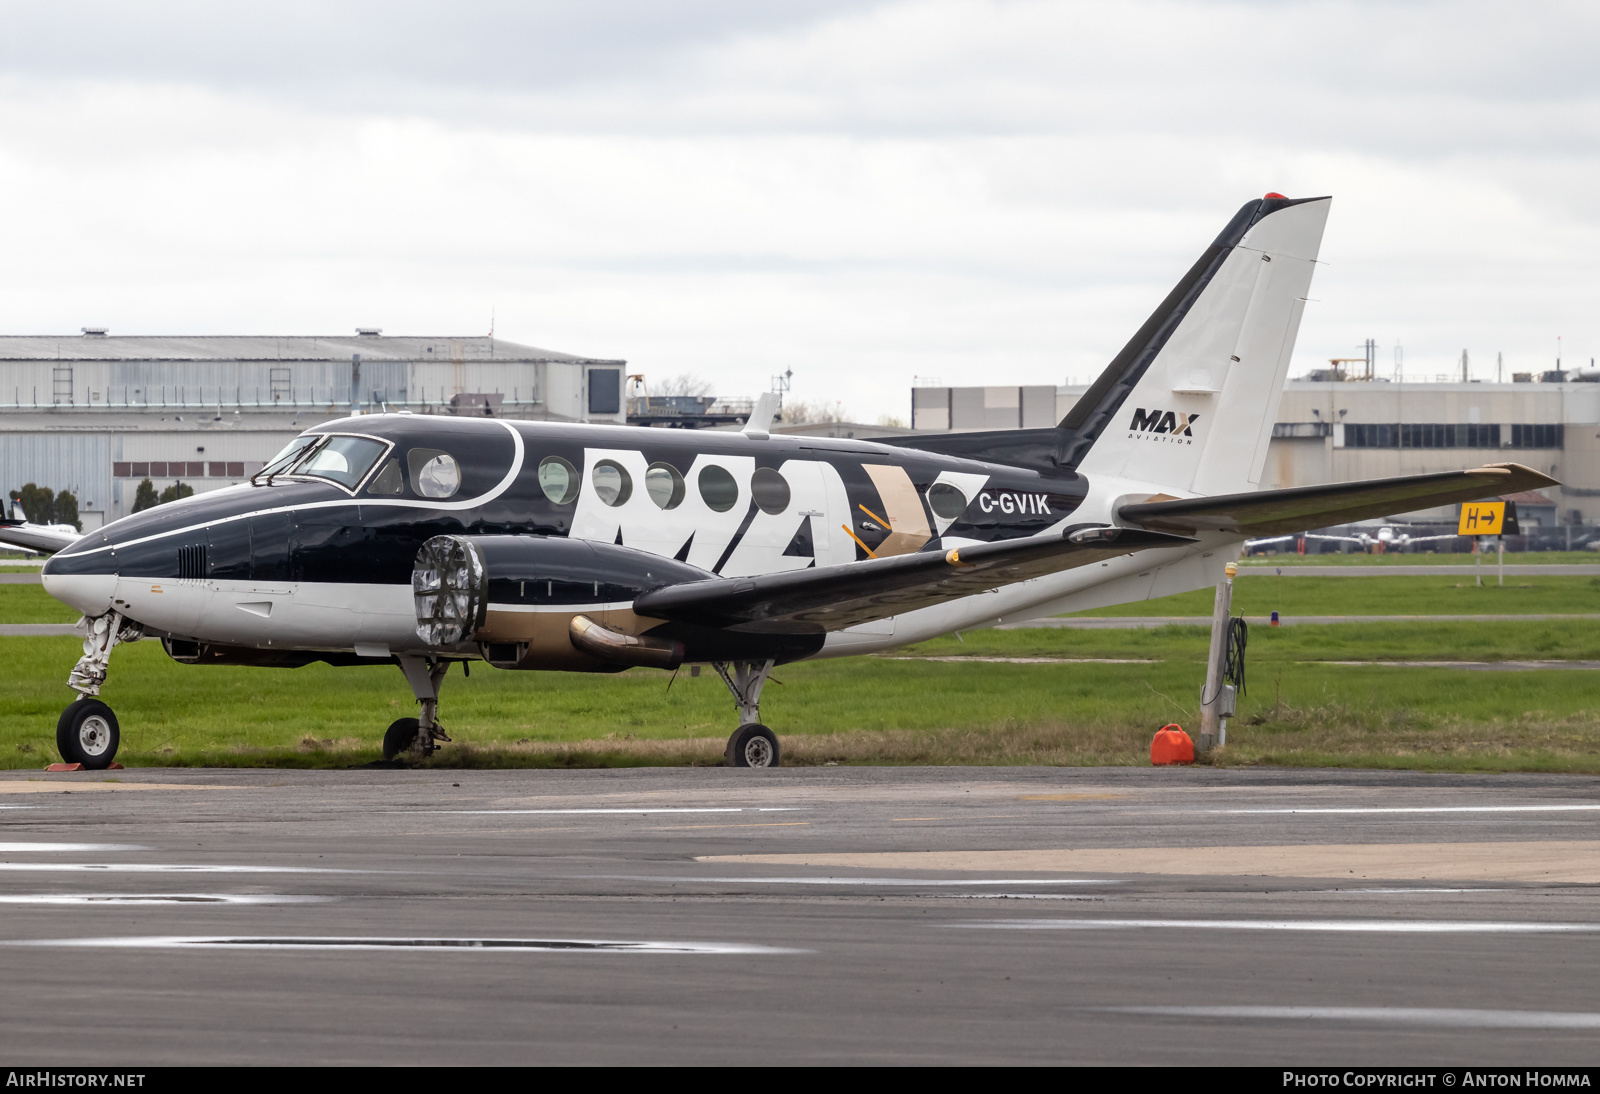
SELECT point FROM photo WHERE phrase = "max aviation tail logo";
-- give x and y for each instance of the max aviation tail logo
(1162, 425)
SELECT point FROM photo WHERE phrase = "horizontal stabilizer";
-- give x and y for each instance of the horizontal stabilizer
(1271, 512)
(36, 537)
(830, 598)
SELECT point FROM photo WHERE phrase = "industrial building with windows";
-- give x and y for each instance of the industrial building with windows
(1339, 431)
(97, 413)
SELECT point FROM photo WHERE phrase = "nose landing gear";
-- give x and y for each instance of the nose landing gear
(87, 732)
(418, 736)
(752, 744)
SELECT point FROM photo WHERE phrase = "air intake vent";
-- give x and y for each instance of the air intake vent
(192, 563)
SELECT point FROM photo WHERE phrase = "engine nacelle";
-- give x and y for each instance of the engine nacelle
(543, 602)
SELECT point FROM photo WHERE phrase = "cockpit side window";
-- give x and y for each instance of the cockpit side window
(389, 480)
(434, 473)
(345, 460)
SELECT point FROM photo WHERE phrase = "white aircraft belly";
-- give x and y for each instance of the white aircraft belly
(312, 615)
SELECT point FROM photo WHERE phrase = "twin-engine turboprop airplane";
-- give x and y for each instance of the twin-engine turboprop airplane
(426, 540)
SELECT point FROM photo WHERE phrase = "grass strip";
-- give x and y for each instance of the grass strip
(1413, 595)
(859, 710)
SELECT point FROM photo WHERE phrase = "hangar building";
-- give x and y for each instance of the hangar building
(96, 413)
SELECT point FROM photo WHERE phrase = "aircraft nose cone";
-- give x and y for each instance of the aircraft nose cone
(84, 582)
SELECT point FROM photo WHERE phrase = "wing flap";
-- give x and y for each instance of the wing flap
(1270, 512)
(831, 598)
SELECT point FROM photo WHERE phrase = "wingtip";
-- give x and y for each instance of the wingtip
(1527, 478)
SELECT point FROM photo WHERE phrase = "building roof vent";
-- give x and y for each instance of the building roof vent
(95, 332)
(369, 332)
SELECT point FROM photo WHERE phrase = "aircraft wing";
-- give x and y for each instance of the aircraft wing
(35, 537)
(1269, 512)
(830, 598)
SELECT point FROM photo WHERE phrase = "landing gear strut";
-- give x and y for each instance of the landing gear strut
(752, 744)
(418, 735)
(87, 732)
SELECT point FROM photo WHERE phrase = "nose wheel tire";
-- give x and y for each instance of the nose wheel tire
(400, 737)
(87, 734)
(752, 746)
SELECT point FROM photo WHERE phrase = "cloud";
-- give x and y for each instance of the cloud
(981, 192)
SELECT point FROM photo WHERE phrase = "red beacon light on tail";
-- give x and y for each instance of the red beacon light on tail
(1279, 197)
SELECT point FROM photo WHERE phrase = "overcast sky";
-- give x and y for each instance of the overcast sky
(865, 193)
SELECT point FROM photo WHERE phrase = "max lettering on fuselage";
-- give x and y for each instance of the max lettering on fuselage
(1162, 425)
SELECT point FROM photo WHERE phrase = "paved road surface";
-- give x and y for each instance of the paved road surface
(823, 915)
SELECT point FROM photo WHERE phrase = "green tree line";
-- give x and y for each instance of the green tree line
(145, 497)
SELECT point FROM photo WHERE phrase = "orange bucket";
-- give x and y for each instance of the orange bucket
(1171, 746)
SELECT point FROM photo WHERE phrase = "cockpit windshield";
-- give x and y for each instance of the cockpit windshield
(285, 459)
(345, 460)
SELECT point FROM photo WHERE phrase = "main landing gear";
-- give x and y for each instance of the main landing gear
(418, 736)
(752, 744)
(87, 732)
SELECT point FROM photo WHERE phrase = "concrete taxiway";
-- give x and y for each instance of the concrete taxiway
(821, 915)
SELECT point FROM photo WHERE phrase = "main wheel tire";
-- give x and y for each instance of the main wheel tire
(752, 746)
(87, 733)
(399, 737)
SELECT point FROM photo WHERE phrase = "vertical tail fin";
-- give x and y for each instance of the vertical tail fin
(1190, 401)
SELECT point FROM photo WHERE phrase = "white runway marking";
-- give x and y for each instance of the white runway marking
(1412, 1016)
(160, 898)
(165, 868)
(1026, 896)
(15, 848)
(1399, 892)
(900, 881)
(599, 812)
(1417, 809)
(1358, 926)
(525, 945)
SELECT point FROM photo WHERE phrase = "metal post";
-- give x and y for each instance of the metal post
(1502, 545)
(1210, 719)
(1477, 562)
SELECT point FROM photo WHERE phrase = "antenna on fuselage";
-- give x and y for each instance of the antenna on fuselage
(762, 415)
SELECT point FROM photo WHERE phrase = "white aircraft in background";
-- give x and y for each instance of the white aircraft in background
(1388, 538)
(17, 531)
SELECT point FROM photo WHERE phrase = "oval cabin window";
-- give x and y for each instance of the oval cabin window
(558, 479)
(718, 489)
(612, 483)
(664, 485)
(946, 501)
(770, 491)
